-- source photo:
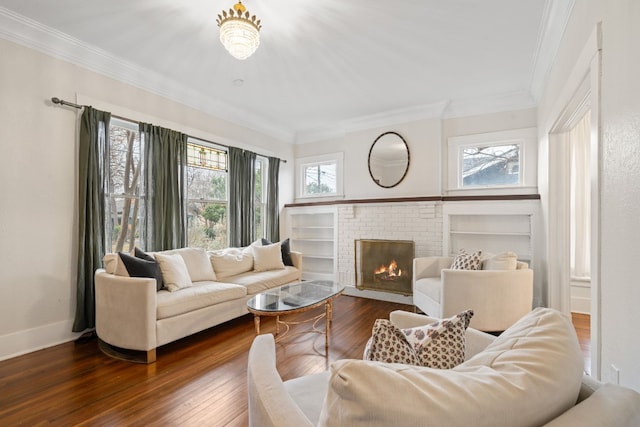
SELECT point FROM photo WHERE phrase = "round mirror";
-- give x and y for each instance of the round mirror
(388, 159)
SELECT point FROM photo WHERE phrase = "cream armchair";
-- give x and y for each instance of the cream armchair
(498, 297)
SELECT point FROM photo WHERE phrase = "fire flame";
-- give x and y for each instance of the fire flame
(391, 271)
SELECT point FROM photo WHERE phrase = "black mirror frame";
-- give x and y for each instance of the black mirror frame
(406, 170)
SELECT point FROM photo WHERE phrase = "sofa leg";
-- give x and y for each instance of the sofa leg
(135, 356)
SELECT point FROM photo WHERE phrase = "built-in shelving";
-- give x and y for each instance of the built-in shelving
(491, 228)
(313, 231)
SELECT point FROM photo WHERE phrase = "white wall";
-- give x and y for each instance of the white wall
(38, 184)
(423, 177)
(427, 141)
(619, 170)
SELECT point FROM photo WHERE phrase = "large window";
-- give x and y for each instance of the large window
(207, 191)
(207, 196)
(124, 207)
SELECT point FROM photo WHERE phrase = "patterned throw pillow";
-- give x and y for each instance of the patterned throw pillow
(465, 261)
(389, 344)
(438, 345)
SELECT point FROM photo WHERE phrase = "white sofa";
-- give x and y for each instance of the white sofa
(498, 297)
(531, 375)
(131, 314)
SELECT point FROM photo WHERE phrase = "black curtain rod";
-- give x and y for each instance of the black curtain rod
(56, 100)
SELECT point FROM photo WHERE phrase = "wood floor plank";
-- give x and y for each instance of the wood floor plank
(197, 381)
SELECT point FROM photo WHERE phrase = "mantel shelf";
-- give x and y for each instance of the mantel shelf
(492, 233)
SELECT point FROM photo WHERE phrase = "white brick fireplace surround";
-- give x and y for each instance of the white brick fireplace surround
(417, 221)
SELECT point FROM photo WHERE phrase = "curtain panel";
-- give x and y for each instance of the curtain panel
(272, 214)
(92, 154)
(165, 164)
(580, 144)
(241, 204)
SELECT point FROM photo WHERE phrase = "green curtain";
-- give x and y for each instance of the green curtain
(272, 214)
(241, 189)
(92, 154)
(165, 164)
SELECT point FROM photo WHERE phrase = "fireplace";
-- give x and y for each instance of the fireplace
(384, 265)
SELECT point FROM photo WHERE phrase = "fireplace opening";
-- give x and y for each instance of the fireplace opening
(384, 265)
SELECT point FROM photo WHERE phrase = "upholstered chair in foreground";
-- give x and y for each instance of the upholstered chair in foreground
(498, 297)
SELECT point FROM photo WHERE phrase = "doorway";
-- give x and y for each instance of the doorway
(574, 173)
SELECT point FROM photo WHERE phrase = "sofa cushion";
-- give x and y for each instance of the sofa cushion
(200, 295)
(429, 286)
(307, 391)
(174, 271)
(438, 345)
(139, 253)
(230, 262)
(466, 261)
(110, 262)
(285, 248)
(261, 281)
(129, 266)
(197, 262)
(528, 376)
(502, 261)
(267, 257)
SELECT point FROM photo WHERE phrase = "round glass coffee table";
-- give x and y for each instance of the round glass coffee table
(297, 298)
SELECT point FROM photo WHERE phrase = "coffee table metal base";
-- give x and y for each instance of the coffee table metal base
(327, 315)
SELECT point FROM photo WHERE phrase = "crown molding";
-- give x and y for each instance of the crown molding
(554, 23)
(490, 104)
(34, 35)
(384, 119)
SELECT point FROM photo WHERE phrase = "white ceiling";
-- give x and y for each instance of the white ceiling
(321, 64)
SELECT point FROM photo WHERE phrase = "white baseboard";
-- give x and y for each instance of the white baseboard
(30, 340)
(378, 295)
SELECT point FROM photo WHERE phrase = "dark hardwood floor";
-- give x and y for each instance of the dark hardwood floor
(199, 380)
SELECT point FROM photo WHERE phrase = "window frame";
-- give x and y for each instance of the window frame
(304, 162)
(225, 201)
(264, 165)
(525, 138)
(110, 194)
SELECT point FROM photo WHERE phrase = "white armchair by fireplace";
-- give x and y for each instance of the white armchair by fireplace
(498, 297)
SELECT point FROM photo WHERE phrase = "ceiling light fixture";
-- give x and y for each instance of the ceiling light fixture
(239, 31)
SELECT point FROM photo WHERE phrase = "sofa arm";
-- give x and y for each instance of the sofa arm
(126, 311)
(296, 257)
(609, 405)
(429, 266)
(270, 405)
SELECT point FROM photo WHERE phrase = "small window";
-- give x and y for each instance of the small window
(490, 165)
(320, 176)
(493, 163)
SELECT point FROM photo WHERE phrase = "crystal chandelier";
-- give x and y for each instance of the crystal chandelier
(239, 31)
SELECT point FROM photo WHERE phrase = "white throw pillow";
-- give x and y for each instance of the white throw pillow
(230, 262)
(174, 271)
(503, 261)
(197, 262)
(267, 257)
(110, 262)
